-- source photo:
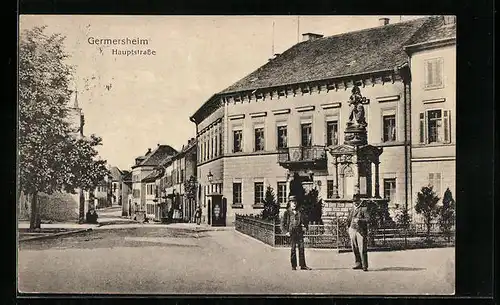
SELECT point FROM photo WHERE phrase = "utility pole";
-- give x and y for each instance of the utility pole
(298, 27)
(272, 44)
(81, 201)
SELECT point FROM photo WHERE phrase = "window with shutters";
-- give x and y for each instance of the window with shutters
(237, 141)
(282, 193)
(282, 136)
(220, 142)
(435, 182)
(390, 189)
(202, 145)
(237, 193)
(216, 146)
(433, 73)
(332, 128)
(259, 139)
(389, 126)
(435, 126)
(306, 134)
(329, 189)
(258, 193)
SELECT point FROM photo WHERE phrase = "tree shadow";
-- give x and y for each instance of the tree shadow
(398, 269)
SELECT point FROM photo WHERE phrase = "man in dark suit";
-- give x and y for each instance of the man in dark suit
(293, 224)
(358, 232)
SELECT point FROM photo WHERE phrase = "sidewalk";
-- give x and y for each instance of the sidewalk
(59, 225)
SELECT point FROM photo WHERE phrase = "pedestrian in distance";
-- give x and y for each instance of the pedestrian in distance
(293, 224)
(358, 233)
(197, 215)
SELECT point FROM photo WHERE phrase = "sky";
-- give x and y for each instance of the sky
(136, 102)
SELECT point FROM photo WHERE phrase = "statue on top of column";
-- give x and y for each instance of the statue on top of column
(357, 114)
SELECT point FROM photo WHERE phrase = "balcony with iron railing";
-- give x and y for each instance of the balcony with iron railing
(302, 156)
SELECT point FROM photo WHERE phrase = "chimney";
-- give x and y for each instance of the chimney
(383, 21)
(149, 151)
(274, 56)
(310, 36)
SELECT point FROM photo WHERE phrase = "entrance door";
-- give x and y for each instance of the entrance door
(218, 213)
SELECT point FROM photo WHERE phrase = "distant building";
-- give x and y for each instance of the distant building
(116, 185)
(103, 193)
(126, 195)
(144, 165)
(166, 196)
(178, 170)
(279, 120)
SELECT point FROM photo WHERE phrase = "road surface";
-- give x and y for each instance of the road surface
(162, 260)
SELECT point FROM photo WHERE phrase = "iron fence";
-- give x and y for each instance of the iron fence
(334, 234)
(301, 153)
(256, 228)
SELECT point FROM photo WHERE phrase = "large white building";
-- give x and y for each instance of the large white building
(281, 118)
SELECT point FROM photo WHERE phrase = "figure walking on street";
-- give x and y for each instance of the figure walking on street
(358, 232)
(293, 224)
(197, 215)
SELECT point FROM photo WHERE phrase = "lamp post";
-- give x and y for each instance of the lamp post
(210, 177)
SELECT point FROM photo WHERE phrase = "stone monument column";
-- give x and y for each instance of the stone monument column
(336, 185)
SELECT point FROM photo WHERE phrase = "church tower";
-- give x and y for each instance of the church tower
(76, 117)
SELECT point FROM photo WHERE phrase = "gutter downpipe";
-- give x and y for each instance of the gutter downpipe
(407, 111)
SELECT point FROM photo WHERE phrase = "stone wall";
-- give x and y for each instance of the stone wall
(55, 207)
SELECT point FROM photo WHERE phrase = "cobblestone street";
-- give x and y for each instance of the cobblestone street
(164, 260)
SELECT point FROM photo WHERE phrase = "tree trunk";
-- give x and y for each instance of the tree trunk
(428, 224)
(81, 205)
(35, 220)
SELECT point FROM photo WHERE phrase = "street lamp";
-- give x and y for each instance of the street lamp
(310, 173)
(210, 176)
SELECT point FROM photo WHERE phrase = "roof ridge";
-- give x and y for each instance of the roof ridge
(150, 154)
(372, 28)
(227, 89)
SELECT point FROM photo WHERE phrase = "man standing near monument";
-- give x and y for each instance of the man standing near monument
(293, 224)
(358, 232)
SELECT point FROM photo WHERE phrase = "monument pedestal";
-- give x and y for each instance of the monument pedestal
(353, 163)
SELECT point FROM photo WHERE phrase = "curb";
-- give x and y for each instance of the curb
(55, 235)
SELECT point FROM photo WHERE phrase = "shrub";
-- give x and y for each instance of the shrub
(427, 206)
(446, 214)
(403, 217)
(271, 206)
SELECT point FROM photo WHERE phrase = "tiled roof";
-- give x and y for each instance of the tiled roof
(152, 176)
(157, 155)
(351, 53)
(127, 176)
(166, 161)
(191, 145)
(116, 173)
(432, 30)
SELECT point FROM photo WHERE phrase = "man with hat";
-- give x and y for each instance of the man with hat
(358, 231)
(293, 224)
